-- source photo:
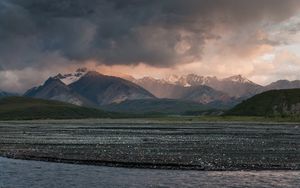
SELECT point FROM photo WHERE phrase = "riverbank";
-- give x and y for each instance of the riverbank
(155, 144)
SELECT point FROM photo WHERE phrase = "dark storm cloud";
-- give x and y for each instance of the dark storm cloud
(37, 33)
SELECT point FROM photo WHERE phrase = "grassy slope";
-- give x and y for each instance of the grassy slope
(20, 108)
(159, 106)
(263, 104)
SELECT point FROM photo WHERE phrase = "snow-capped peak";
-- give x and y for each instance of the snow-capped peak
(173, 79)
(238, 78)
(72, 77)
(189, 80)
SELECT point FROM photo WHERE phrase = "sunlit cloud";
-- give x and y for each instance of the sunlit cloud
(259, 39)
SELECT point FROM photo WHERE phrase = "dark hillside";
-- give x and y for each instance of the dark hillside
(21, 108)
(270, 103)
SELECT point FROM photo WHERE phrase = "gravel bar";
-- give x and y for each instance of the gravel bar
(155, 144)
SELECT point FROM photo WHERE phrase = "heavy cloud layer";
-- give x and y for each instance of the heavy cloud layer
(41, 33)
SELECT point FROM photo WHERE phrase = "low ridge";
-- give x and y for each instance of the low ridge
(25, 108)
(270, 103)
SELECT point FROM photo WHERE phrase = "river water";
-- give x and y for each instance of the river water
(35, 174)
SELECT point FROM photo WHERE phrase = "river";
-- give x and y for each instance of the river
(35, 174)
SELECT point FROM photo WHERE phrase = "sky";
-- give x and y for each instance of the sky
(259, 39)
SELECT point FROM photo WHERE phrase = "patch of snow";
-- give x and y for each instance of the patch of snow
(187, 85)
(172, 79)
(72, 77)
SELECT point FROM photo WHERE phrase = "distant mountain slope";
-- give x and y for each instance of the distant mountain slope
(275, 102)
(172, 86)
(189, 80)
(20, 108)
(197, 93)
(282, 84)
(160, 88)
(54, 89)
(204, 95)
(6, 94)
(236, 86)
(164, 106)
(88, 89)
(102, 89)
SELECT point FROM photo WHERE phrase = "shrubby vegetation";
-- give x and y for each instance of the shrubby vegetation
(275, 103)
(23, 108)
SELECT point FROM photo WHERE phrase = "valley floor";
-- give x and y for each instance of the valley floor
(155, 143)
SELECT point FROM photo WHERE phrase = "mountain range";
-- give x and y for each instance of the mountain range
(171, 87)
(90, 88)
(196, 93)
(229, 89)
(55, 89)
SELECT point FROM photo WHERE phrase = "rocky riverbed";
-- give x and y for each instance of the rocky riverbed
(155, 144)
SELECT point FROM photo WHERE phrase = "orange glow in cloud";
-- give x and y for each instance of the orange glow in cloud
(234, 52)
(137, 71)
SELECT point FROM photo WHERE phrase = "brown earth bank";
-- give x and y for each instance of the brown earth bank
(155, 144)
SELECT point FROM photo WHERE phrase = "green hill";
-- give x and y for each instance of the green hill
(270, 103)
(155, 106)
(23, 108)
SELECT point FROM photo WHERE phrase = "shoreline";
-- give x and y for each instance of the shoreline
(158, 166)
(166, 120)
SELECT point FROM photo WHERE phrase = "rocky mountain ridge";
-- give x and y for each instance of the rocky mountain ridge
(236, 86)
(91, 89)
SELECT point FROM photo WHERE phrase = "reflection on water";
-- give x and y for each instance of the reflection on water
(34, 174)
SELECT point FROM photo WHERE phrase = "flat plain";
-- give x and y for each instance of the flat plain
(142, 143)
